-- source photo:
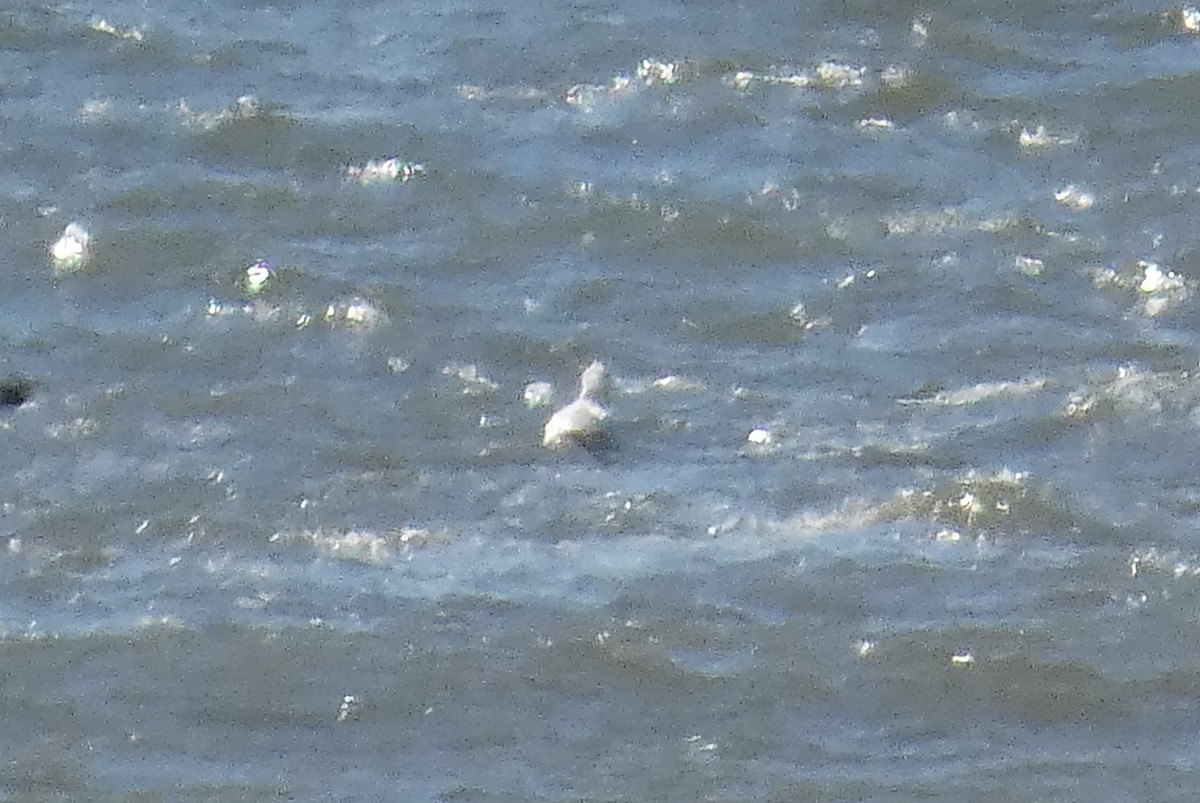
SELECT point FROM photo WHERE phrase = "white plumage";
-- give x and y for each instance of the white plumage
(581, 421)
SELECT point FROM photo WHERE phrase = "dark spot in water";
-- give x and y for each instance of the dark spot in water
(15, 391)
(599, 445)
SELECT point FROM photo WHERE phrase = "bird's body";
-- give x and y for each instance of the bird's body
(581, 421)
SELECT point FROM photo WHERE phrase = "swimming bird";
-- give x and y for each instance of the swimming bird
(581, 421)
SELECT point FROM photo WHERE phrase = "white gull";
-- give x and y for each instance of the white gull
(581, 421)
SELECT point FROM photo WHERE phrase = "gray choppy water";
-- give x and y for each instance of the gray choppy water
(899, 307)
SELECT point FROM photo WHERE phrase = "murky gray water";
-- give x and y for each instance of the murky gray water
(899, 311)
